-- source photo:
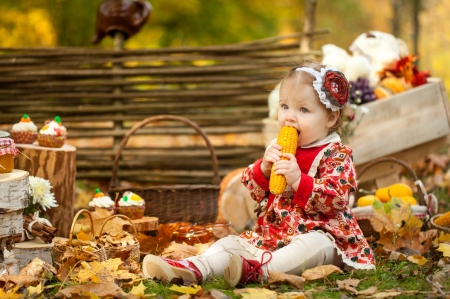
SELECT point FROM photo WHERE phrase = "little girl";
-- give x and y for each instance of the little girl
(310, 224)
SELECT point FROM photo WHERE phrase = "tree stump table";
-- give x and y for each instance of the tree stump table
(145, 225)
(58, 166)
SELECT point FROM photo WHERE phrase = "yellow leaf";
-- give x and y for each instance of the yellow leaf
(443, 238)
(87, 275)
(292, 295)
(11, 294)
(193, 289)
(256, 293)
(138, 290)
(34, 290)
(82, 236)
(417, 259)
(320, 272)
(445, 248)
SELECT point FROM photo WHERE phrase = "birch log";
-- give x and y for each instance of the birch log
(14, 190)
(58, 166)
(11, 222)
(26, 251)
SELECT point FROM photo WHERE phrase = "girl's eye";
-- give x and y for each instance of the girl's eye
(304, 110)
(284, 106)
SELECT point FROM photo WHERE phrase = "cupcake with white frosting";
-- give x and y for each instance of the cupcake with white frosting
(101, 201)
(131, 205)
(24, 131)
(53, 134)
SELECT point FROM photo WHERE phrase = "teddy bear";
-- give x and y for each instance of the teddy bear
(372, 52)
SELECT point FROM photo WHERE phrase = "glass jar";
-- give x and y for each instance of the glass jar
(191, 235)
(7, 152)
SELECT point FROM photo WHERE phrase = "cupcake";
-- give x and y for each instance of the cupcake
(131, 205)
(24, 131)
(101, 201)
(53, 134)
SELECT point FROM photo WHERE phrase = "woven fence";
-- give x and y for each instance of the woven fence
(99, 94)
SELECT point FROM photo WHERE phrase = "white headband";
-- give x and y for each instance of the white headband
(330, 85)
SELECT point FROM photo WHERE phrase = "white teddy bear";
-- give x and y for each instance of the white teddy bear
(372, 51)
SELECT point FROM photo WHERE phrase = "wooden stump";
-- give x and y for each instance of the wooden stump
(58, 166)
(14, 190)
(26, 251)
(144, 225)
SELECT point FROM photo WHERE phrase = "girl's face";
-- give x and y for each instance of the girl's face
(300, 107)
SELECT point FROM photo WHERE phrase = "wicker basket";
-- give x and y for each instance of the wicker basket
(114, 252)
(174, 203)
(59, 254)
(364, 220)
(445, 229)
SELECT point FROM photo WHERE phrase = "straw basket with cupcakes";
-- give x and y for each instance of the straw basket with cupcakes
(131, 205)
(24, 131)
(53, 134)
(101, 201)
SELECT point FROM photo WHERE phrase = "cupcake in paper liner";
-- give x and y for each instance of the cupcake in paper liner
(53, 134)
(131, 205)
(24, 131)
(101, 201)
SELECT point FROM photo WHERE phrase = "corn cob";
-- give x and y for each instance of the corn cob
(443, 220)
(288, 139)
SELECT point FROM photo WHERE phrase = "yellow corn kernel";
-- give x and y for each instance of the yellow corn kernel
(443, 220)
(288, 139)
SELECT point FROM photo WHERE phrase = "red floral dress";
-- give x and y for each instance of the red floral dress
(320, 203)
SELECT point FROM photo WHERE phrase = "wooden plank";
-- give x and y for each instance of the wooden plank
(400, 122)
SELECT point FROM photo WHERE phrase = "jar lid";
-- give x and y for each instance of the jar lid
(4, 134)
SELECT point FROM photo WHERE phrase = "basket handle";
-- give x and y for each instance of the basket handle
(87, 213)
(401, 163)
(123, 143)
(120, 216)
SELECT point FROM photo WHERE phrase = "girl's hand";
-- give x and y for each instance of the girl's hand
(272, 155)
(290, 170)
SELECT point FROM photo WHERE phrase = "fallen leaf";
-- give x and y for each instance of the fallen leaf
(280, 277)
(34, 291)
(38, 268)
(11, 294)
(387, 294)
(102, 290)
(320, 272)
(348, 285)
(397, 256)
(445, 248)
(370, 291)
(193, 289)
(292, 295)
(255, 293)
(443, 237)
(18, 280)
(138, 290)
(417, 259)
(177, 251)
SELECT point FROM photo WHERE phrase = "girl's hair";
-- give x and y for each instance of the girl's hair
(345, 112)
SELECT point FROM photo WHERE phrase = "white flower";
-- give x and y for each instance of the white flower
(40, 193)
(48, 201)
(364, 110)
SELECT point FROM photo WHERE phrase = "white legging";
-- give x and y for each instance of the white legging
(304, 252)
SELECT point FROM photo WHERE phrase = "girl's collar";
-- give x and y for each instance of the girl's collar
(333, 137)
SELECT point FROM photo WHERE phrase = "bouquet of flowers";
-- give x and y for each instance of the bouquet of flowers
(40, 196)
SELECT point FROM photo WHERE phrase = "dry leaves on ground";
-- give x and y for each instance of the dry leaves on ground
(320, 272)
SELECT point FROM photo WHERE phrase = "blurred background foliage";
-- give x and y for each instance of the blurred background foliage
(50, 23)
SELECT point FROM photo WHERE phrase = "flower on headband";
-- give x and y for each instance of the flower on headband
(336, 86)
